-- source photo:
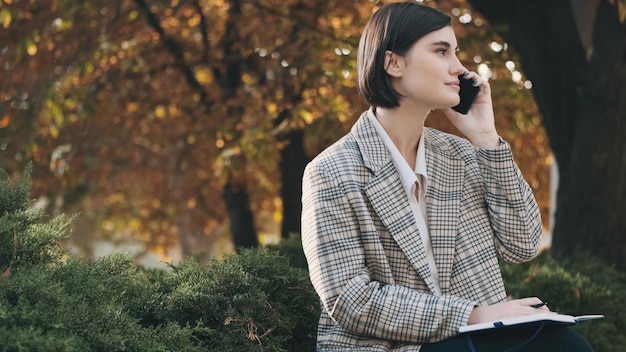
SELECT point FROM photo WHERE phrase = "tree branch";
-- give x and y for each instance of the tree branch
(175, 49)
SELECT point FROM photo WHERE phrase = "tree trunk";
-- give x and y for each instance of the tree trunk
(240, 215)
(580, 94)
(293, 159)
(235, 193)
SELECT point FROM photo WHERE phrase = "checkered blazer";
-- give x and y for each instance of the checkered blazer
(365, 256)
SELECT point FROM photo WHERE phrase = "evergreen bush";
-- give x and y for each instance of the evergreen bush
(576, 286)
(24, 240)
(50, 301)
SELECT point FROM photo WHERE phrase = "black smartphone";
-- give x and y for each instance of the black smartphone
(468, 93)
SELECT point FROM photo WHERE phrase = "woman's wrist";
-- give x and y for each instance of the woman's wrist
(486, 141)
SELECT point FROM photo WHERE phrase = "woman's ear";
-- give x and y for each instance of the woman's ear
(393, 64)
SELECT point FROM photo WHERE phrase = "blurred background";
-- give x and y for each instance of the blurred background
(179, 128)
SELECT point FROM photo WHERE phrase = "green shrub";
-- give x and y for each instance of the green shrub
(576, 286)
(253, 301)
(24, 240)
(252, 296)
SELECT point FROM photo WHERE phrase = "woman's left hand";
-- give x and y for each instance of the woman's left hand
(478, 125)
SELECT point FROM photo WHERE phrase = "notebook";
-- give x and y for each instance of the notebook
(550, 318)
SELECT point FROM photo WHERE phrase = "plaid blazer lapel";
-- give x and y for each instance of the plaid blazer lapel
(443, 196)
(388, 199)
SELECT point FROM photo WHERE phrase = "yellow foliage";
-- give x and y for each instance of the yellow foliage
(108, 225)
(134, 224)
(203, 75)
(173, 111)
(266, 238)
(116, 198)
(132, 107)
(70, 104)
(271, 107)
(54, 132)
(277, 216)
(306, 115)
(194, 20)
(5, 18)
(160, 111)
(31, 47)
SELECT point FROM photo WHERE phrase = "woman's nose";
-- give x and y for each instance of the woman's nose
(459, 69)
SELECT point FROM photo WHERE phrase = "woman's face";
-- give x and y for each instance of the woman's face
(428, 73)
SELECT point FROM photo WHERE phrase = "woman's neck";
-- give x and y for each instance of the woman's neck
(405, 127)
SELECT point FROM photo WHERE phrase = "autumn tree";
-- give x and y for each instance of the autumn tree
(574, 52)
(145, 112)
(182, 123)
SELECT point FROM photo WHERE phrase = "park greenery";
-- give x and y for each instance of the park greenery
(50, 301)
(257, 300)
(187, 123)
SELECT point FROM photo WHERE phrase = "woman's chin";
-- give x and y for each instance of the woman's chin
(449, 104)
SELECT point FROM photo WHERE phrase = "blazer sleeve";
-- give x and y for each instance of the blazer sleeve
(333, 242)
(511, 205)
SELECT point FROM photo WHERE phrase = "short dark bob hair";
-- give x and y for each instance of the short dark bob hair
(394, 27)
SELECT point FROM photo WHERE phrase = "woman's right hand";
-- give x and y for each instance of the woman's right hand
(508, 309)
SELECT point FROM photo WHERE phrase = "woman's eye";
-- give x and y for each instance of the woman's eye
(442, 51)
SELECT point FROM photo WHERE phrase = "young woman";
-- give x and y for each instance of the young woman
(403, 225)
